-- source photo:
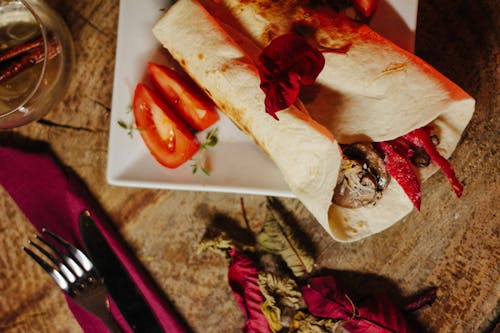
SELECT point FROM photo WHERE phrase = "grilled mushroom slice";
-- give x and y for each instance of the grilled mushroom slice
(365, 152)
(362, 177)
(420, 158)
(356, 187)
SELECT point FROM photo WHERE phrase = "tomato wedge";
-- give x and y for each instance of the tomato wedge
(168, 139)
(365, 7)
(185, 96)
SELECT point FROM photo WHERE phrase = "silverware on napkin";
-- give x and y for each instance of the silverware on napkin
(122, 289)
(74, 273)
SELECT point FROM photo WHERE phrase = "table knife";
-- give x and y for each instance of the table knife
(122, 289)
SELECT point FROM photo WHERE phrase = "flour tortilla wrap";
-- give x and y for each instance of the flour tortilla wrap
(375, 91)
(305, 152)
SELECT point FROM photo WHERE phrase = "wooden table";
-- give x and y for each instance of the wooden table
(451, 244)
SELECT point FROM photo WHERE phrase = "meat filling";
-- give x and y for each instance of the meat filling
(362, 177)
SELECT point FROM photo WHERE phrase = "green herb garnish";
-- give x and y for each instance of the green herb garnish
(201, 162)
(211, 139)
(130, 127)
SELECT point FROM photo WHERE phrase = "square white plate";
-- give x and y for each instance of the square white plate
(237, 164)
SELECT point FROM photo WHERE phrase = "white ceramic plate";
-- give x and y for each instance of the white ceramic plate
(237, 164)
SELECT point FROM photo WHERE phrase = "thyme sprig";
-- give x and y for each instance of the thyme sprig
(129, 127)
(201, 161)
(196, 166)
(211, 139)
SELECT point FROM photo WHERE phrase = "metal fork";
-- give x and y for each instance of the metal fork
(75, 274)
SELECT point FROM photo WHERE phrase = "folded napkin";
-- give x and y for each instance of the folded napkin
(52, 197)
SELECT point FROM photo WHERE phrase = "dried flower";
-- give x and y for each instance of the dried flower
(288, 62)
(278, 238)
(223, 234)
(281, 290)
(427, 297)
(243, 279)
(306, 323)
(283, 299)
(326, 299)
(274, 303)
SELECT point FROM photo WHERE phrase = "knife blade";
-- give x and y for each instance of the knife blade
(122, 289)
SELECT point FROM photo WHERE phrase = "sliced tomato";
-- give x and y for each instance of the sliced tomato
(192, 104)
(168, 139)
(365, 7)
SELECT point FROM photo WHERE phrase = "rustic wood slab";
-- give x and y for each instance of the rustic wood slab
(451, 244)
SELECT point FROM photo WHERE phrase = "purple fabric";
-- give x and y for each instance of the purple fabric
(53, 197)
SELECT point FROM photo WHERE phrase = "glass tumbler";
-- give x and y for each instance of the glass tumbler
(36, 59)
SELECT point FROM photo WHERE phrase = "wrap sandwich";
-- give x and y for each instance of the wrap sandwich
(370, 91)
(305, 152)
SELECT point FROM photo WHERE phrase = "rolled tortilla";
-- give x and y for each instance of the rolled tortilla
(375, 91)
(305, 152)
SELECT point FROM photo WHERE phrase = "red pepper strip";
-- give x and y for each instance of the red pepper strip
(420, 138)
(399, 166)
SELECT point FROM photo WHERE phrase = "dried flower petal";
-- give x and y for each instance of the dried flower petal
(282, 299)
(426, 298)
(280, 290)
(219, 243)
(273, 315)
(279, 238)
(306, 323)
(286, 63)
(325, 299)
(223, 234)
(376, 315)
(243, 279)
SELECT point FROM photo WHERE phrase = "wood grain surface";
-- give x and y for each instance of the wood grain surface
(452, 244)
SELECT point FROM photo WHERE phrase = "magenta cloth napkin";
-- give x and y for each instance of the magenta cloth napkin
(53, 197)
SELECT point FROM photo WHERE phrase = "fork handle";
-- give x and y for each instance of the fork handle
(110, 323)
(103, 312)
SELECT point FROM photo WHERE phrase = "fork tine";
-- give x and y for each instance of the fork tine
(88, 290)
(54, 273)
(83, 260)
(73, 265)
(62, 267)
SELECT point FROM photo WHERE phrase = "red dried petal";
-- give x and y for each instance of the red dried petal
(398, 164)
(243, 279)
(421, 138)
(325, 299)
(426, 298)
(378, 315)
(281, 94)
(288, 62)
